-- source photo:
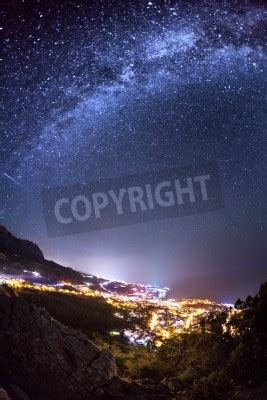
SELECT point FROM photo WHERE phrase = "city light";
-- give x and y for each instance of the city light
(163, 318)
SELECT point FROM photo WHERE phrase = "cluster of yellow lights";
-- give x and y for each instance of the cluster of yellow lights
(166, 317)
(20, 284)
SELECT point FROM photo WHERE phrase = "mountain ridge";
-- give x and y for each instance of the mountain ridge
(20, 255)
(24, 259)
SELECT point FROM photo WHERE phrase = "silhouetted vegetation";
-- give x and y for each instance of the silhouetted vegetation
(226, 357)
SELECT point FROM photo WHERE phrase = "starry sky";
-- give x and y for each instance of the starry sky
(98, 89)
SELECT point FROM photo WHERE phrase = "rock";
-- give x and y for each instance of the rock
(174, 384)
(4, 395)
(47, 359)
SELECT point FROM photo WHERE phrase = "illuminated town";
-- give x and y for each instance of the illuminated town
(162, 318)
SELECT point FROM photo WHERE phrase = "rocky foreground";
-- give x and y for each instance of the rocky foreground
(42, 359)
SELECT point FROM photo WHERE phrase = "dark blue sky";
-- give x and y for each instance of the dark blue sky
(103, 89)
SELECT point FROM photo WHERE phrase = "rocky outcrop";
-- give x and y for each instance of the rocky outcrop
(42, 359)
(10, 244)
(47, 359)
(4, 395)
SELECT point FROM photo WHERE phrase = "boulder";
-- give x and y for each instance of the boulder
(47, 359)
(4, 395)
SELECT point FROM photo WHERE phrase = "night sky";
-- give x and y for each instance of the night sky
(112, 88)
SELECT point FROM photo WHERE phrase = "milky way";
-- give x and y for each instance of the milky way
(109, 89)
